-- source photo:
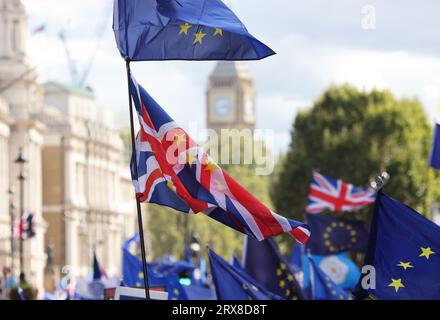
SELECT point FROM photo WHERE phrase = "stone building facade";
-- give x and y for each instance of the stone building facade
(77, 183)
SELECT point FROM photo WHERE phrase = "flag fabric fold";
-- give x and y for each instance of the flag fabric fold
(182, 30)
(404, 249)
(264, 262)
(336, 195)
(434, 160)
(132, 274)
(233, 284)
(174, 171)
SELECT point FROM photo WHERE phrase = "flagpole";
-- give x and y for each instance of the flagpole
(138, 203)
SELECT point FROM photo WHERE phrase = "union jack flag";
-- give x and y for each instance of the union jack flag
(174, 171)
(336, 195)
(24, 228)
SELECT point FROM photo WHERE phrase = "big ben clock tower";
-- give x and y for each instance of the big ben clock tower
(230, 97)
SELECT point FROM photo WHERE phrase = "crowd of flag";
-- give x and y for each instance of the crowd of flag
(401, 245)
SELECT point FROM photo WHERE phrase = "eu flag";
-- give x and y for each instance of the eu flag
(264, 262)
(332, 235)
(133, 276)
(322, 287)
(182, 30)
(404, 249)
(434, 160)
(234, 284)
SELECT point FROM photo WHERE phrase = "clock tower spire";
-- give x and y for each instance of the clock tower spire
(230, 97)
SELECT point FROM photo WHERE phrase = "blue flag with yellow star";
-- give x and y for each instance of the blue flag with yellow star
(404, 249)
(264, 262)
(322, 287)
(133, 276)
(182, 30)
(332, 235)
(233, 284)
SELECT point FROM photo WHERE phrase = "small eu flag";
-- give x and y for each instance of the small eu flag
(182, 30)
(434, 160)
(264, 262)
(234, 284)
(333, 235)
(404, 249)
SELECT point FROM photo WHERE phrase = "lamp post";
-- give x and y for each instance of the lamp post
(21, 161)
(11, 217)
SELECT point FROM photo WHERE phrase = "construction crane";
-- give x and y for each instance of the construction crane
(79, 78)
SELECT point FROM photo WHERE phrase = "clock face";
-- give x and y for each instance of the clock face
(223, 106)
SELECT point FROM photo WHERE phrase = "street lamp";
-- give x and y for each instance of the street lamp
(11, 217)
(21, 161)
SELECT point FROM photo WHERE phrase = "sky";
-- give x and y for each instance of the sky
(318, 43)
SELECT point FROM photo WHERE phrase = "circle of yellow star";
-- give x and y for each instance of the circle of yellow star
(218, 31)
(405, 265)
(396, 284)
(184, 28)
(199, 36)
(426, 252)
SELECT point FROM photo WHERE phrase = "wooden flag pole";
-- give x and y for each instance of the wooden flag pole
(138, 203)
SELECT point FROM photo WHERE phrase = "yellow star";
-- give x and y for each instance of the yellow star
(178, 138)
(254, 288)
(426, 252)
(138, 284)
(190, 159)
(184, 28)
(282, 266)
(199, 36)
(405, 265)
(141, 275)
(290, 277)
(176, 291)
(287, 292)
(282, 283)
(218, 31)
(279, 272)
(170, 185)
(245, 287)
(396, 284)
(211, 166)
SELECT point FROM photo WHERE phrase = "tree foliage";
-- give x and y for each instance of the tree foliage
(354, 135)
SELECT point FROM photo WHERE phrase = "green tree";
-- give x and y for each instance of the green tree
(354, 135)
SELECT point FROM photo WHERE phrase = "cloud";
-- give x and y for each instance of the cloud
(318, 44)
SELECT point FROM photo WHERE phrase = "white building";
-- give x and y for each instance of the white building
(77, 183)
